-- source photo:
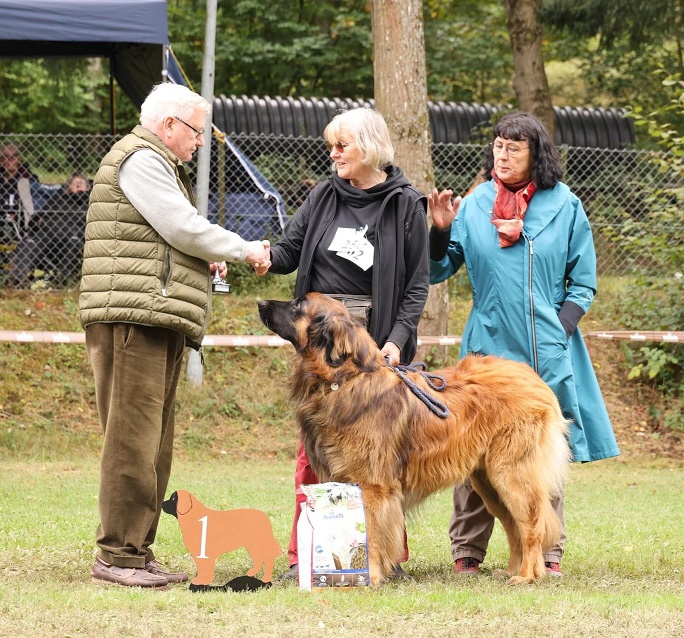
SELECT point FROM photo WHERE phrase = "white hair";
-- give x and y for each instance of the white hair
(170, 100)
(370, 132)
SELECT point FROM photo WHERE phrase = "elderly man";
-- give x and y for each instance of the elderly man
(145, 295)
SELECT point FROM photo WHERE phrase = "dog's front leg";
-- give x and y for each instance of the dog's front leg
(384, 527)
(205, 570)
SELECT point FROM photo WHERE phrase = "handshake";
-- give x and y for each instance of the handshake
(259, 255)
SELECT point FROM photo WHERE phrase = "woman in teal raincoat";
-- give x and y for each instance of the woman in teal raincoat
(528, 249)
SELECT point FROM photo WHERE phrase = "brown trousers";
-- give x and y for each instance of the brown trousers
(136, 370)
(472, 525)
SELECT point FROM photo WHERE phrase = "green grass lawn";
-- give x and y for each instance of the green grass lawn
(623, 563)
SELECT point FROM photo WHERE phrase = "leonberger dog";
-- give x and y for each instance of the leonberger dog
(364, 422)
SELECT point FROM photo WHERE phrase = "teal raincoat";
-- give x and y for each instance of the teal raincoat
(518, 292)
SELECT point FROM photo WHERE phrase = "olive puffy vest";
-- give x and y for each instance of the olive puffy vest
(130, 274)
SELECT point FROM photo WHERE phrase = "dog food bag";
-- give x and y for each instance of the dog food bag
(331, 537)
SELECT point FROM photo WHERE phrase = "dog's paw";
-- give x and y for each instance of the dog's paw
(520, 580)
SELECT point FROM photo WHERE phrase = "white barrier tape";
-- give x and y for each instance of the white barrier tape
(648, 335)
(238, 341)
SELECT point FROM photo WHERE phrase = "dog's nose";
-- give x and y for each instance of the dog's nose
(261, 304)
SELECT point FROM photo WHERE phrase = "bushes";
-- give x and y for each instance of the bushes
(656, 303)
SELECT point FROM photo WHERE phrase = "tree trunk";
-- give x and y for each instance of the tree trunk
(401, 96)
(530, 82)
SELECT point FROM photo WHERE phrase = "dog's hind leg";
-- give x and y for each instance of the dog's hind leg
(384, 528)
(529, 506)
(260, 561)
(492, 501)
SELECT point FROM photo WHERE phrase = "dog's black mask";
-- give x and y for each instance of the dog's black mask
(170, 506)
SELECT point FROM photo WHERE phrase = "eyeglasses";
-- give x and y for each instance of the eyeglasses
(338, 146)
(498, 148)
(199, 132)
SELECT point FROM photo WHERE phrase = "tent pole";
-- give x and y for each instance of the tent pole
(194, 367)
(112, 106)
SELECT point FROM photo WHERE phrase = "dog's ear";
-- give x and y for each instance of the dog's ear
(334, 334)
(341, 338)
(184, 504)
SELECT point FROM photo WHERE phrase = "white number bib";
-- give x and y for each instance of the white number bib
(352, 244)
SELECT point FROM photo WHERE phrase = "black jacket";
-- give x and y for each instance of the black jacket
(400, 261)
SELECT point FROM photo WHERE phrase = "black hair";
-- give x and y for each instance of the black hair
(547, 170)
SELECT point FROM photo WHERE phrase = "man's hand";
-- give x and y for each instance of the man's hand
(258, 252)
(442, 209)
(221, 266)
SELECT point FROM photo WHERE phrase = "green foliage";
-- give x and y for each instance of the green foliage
(656, 305)
(634, 22)
(324, 48)
(468, 52)
(655, 302)
(280, 48)
(55, 95)
(619, 45)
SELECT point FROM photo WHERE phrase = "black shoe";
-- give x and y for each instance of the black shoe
(398, 573)
(291, 574)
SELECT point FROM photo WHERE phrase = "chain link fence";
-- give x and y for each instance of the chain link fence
(258, 180)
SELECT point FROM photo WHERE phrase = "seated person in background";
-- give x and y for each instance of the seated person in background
(20, 196)
(56, 234)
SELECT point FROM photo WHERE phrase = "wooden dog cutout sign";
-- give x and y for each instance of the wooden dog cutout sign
(207, 534)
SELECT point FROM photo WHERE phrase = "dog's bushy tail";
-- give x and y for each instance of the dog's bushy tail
(557, 456)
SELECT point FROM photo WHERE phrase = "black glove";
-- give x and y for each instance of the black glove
(439, 242)
(569, 316)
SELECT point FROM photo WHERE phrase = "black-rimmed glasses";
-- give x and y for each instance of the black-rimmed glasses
(199, 132)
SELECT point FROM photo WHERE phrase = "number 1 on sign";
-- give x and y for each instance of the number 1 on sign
(203, 542)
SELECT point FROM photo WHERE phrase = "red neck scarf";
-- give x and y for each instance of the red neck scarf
(510, 206)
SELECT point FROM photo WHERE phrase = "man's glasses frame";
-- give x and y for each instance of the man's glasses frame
(198, 132)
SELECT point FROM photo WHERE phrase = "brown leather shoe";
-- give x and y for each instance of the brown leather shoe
(155, 567)
(103, 572)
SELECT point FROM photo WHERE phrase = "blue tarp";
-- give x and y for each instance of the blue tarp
(97, 22)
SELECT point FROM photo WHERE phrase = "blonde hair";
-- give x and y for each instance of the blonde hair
(170, 100)
(370, 132)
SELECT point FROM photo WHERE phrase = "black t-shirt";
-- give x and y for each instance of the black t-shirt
(334, 274)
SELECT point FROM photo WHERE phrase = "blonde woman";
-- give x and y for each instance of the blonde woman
(360, 236)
